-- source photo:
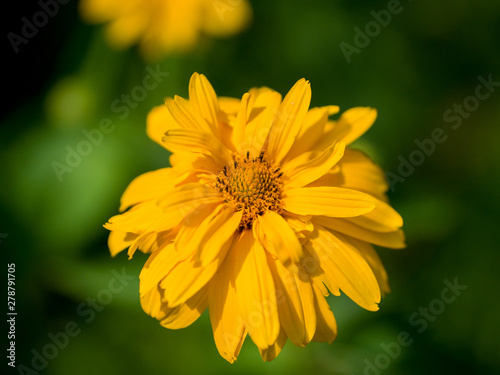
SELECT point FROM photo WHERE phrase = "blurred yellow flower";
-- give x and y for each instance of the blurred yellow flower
(263, 213)
(165, 26)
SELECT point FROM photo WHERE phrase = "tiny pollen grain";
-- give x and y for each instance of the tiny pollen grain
(252, 186)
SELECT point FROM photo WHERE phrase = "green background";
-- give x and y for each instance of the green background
(424, 61)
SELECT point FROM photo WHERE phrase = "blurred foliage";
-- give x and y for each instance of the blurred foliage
(63, 83)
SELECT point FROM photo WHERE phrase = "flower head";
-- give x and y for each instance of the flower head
(263, 214)
(165, 26)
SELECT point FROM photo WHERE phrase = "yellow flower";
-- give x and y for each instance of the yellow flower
(165, 26)
(263, 213)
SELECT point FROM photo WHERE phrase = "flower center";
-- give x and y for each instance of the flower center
(253, 186)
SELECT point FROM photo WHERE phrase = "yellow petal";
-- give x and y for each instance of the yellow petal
(229, 106)
(392, 240)
(320, 283)
(370, 255)
(148, 186)
(352, 124)
(311, 131)
(275, 234)
(155, 269)
(152, 273)
(186, 279)
(193, 168)
(173, 214)
(328, 201)
(240, 123)
(195, 227)
(188, 197)
(221, 231)
(137, 219)
(206, 238)
(326, 327)
(288, 120)
(203, 99)
(159, 121)
(382, 219)
(295, 300)
(145, 241)
(346, 267)
(307, 168)
(188, 276)
(312, 265)
(227, 323)
(360, 173)
(299, 224)
(119, 241)
(262, 108)
(186, 116)
(333, 177)
(270, 353)
(185, 314)
(255, 291)
(314, 268)
(194, 141)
